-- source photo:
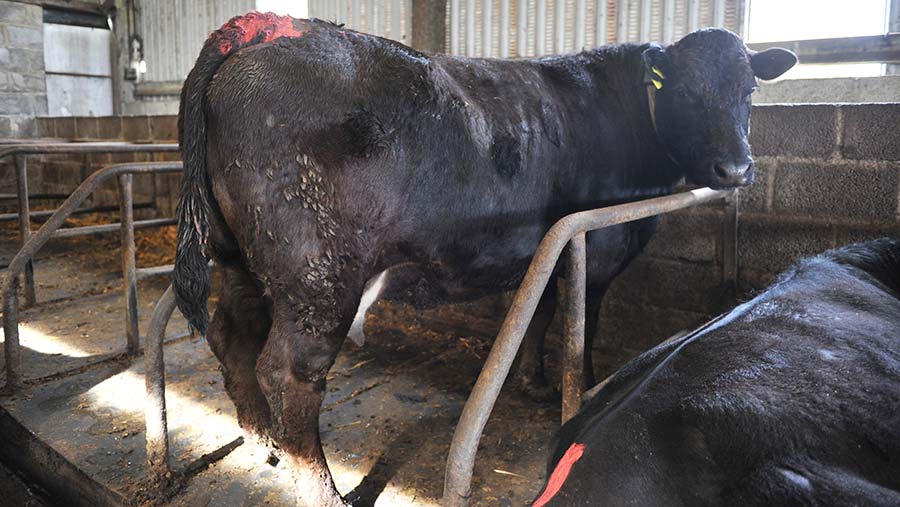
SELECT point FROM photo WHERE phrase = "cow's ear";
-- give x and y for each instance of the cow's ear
(772, 62)
(656, 64)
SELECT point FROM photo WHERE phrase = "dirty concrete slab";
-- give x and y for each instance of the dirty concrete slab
(387, 420)
(57, 335)
(387, 423)
(63, 335)
(14, 490)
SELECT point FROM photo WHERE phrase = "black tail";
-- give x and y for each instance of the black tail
(191, 277)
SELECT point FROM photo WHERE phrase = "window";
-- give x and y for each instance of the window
(781, 20)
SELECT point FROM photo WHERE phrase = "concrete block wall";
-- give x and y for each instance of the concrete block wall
(60, 174)
(827, 175)
(23, 93)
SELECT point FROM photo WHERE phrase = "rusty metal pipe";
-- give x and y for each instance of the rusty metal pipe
(129, 265)
(461, 458)
(573, 356)
(40, 238)
(11, 348)
(23, 148)
(13, 197)
(155, 384)
(165, 269)
(24, 223)
(8, 217)
(87, 230)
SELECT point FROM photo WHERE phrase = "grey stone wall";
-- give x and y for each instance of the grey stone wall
(827, 175)
(22, 86)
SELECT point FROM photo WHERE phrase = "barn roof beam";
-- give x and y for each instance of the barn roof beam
(72, 5)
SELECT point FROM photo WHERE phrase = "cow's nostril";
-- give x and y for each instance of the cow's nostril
(733, 174)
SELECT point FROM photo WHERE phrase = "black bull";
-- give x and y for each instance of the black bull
(316, 157)
(791, 399)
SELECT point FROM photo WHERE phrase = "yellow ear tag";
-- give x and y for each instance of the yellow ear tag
(657, 82)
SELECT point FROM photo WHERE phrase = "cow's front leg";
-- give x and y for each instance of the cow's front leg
(305, 337)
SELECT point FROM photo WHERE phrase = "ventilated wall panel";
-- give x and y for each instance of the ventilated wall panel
(386, 18)
(174, 31)
(539, 27)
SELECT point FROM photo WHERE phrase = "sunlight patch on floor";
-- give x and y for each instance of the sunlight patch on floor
(208, 429)
(125, 392)
(43, 343)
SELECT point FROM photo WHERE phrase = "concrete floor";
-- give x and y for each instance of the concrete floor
(14, 490)
(387, 419)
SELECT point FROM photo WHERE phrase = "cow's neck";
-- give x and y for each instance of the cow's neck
(653, 171)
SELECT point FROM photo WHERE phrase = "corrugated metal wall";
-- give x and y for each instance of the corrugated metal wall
(502, 28)
(385, 18)
(174, 31)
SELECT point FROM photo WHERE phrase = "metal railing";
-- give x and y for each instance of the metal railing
(155, 419)
(569, 230)
(21, 150)
(460, 462)
(50, 229)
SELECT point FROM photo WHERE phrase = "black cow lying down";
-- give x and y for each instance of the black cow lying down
(316, 157)
(791, 399)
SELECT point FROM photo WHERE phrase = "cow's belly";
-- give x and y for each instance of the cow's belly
(456, 273)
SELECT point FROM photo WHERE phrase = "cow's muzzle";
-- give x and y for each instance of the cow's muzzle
(731, 174)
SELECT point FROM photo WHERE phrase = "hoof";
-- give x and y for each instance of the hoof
(537, 390)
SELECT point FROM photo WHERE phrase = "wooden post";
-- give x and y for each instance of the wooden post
(429, 28)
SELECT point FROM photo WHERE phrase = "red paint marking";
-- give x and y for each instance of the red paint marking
(560, 474)
(256, 28)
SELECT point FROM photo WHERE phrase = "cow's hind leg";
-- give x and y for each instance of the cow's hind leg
(530, 369)
(236, 336)
(308, 326)
(591, 330)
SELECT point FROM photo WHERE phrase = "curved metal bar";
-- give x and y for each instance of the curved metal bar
(461, 459)
(155, 383)
(40, 238)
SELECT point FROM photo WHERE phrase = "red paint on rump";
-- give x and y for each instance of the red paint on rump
(256, 28)
(560, 474)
